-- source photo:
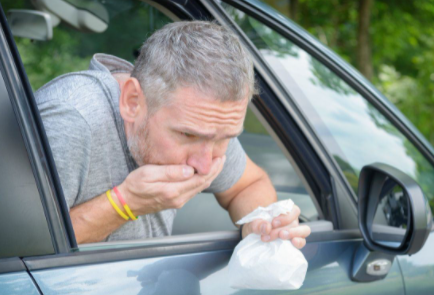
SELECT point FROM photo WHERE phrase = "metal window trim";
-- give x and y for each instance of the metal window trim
(124, 254)
(10, 265)
(211, 242)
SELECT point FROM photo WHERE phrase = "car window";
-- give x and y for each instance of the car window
(264, 151)
(351, 128)
(129, 23)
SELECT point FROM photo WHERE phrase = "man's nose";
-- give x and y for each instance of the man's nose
(201, 159)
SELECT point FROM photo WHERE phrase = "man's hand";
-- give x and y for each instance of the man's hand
(148, 189)
(153, 188)
(284, 226)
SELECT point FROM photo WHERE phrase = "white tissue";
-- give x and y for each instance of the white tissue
(268, 213)
(275, 265)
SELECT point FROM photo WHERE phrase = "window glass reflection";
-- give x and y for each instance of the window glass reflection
(354, 131)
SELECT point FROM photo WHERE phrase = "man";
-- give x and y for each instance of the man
(161, 131)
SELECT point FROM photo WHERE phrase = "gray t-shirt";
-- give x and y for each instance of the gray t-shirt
(80, 112)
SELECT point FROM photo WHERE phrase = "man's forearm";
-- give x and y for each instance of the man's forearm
(259, 193)
(94, 220)
(255, 189)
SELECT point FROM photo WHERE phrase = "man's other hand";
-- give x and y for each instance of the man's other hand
(284, 226)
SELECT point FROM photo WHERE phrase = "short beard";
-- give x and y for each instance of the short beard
(138, 144)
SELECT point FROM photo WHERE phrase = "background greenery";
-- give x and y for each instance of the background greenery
(399, 38)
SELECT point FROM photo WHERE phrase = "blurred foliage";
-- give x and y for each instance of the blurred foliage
(402, 46)
(131, 22)
(253, 125)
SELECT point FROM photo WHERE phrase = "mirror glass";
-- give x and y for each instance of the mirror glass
(35, 25)
(391, 220)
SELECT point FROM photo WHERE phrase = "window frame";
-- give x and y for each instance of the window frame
(56, 211)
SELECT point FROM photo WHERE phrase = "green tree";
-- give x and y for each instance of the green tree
(400, 42)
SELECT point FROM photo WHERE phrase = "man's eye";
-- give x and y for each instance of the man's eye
(188, 135)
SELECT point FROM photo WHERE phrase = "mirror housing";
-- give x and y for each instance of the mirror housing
(85, 16)
(32, 24)
(394, 219)
(372, 182)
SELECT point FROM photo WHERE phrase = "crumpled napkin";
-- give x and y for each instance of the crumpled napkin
(275, 265)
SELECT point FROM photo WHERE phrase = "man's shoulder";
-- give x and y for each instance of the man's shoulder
(88, 96)
(75, 86)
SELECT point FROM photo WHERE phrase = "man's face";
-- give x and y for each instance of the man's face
(192, 129)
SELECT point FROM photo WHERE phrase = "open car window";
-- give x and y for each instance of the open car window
(128, 24)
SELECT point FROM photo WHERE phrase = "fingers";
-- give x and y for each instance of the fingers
(287, 233)
(298, 242)
(173, 173)
(259, 227)
(165, 173)
(199, 183)
(286, 219)
(294, 232)
(159, 187)
(179, 193)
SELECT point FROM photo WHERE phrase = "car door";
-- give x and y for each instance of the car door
(333, 98)
(197, 263)
(14, 278)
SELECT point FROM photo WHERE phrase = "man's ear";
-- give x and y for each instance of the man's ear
(132, 102)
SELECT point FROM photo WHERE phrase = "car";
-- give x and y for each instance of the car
(361, 173)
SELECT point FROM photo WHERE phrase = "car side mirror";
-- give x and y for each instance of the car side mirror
(394, 219)
(394, 215)
(32, 24)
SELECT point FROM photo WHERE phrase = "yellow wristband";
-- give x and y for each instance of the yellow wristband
(130, 214)
(121, 199)
(122, 214)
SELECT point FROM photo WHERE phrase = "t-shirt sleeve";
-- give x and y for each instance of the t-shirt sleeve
(233, 169)
(69, 137)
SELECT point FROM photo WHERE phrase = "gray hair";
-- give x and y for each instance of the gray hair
(198, 54)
